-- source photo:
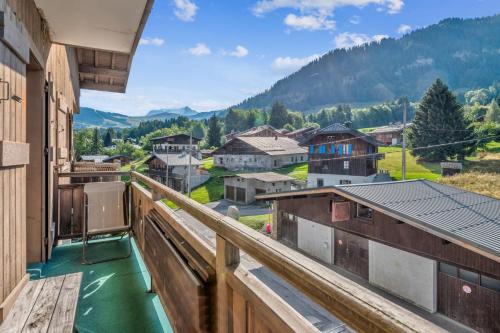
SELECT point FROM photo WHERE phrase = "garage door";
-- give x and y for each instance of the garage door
(351, 253)
(229, 192)
(240, 195)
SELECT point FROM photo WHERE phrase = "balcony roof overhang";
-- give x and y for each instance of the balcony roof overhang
(105, 34)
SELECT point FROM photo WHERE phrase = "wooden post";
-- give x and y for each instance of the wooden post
(227, 256)
(276, 224)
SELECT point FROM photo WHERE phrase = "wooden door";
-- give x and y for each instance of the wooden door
(351, 253)
(289, 231)
(471, 304)
(13, 160)
(229, 192)
(240, 195)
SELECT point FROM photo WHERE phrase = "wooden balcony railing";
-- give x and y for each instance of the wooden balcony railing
(242, 301)
(204, 286)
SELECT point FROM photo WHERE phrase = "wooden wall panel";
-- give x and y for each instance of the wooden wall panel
(60, 67)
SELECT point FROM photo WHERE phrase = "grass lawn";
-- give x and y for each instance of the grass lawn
(414, 168)
(256, 222)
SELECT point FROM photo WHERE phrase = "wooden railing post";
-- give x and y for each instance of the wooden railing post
(227, 256)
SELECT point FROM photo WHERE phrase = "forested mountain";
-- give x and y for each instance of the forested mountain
(89, 117)
(464, 53)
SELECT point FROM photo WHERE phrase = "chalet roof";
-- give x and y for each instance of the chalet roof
(94, 158)
(111, 158)
(166, 137)
(465, 218)
(337, 128)
(389, 129)
(175, 159)
(105, 35)
(264, 176)
(273, 145)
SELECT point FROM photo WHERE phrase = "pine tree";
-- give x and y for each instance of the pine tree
(214, 132)
(279, 115)
(96, 144)
(439, 119)
(108, 139)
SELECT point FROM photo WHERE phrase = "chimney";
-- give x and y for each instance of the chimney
(276, 138)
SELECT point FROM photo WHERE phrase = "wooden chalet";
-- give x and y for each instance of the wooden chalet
(259, 153)
(341, 155)
(433, 245)
(201, 265)
(390, 135)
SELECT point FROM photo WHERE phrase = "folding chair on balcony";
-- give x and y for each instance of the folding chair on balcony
(105, 213)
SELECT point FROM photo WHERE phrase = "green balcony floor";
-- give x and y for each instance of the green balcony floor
(113, 295)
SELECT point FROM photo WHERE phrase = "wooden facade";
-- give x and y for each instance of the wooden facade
(459, 297)
(332, 159)
(41, 92)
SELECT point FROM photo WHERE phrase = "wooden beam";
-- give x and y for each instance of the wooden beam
(115, 73)
(358, 307)
(228, 257)
(101, 86)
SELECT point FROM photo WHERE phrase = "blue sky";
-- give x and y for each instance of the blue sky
(211, 54)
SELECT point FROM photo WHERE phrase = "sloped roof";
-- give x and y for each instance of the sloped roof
(164, 138)
(465, 218)
(265, 176)
(389, 128)
(337, 128)
(273, 145)
(175, 159)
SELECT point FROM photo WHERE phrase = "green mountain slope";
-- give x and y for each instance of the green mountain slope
(463, 53)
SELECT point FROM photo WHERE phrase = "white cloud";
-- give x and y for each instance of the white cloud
(404, 28)
(185, 10)
(200, 50)
(350, 39)
(152, 41)
(325, 7)
(355, 19)
(309, 22)
(239, 52)
(290, 65)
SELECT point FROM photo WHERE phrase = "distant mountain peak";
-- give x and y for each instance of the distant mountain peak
(185, 111)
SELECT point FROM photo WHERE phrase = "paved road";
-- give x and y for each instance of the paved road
(245, 210)
(314, 313)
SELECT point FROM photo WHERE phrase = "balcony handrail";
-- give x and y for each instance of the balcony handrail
(359, 308)
(86, 174)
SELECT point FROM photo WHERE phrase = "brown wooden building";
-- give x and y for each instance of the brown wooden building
(341, 155)
(436, 246)
(49, 50)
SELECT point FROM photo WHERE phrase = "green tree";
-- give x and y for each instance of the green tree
(279, 115)
(214, 132)
(83, 142)
(108, 137)
(251, 119)
(439, 119)
(96, 145)
(493, 113)
(199, 130)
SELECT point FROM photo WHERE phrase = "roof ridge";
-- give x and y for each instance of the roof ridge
(382, 183)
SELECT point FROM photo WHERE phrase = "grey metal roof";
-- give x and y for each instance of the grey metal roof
(176, 159)
(274, 145)
(468, 219)
(264, 176)
(462, 215)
